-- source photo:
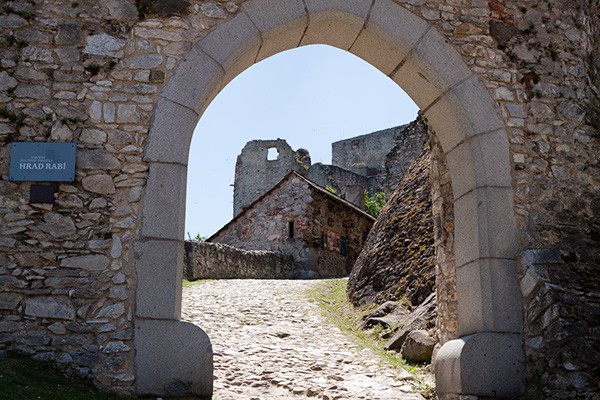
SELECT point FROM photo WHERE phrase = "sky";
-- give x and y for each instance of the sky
(311, 96)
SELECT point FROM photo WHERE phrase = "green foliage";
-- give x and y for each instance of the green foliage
(374, 203)
(197, 238)
(143, 7)
(92, 68)
(331, 189)
(18, 120)
(22, 378)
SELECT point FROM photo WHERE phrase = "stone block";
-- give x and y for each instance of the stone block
(50, 307)
(159, 266)
(488, 297)
(482, 160)
(335, 22)
(487, 364)
(172, 358)
(485, 225)
(433, 67)
(281, 23)
(10, 301)
(163, 212)
(93, 262)
(171, 132)
(190, 88)
(385, 42)
(464, 111)
(233, 44)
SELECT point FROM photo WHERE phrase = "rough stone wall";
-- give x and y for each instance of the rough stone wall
(442, 210)
(347, 184)
(255, 174)
(343, 220)
(365, 154)
(409, 144)
(265, 226)
(90, 72)
(398, 260)
(217, 261)
(554, 143)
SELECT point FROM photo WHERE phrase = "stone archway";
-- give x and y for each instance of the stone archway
(488, 359)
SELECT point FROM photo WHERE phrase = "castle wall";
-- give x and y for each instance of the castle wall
(255, 173)
(218, 261)
(90, 73)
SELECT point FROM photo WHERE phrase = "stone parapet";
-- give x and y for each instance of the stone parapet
(218, 261)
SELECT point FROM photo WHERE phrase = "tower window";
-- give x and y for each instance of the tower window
(291, 229)
(273, 154)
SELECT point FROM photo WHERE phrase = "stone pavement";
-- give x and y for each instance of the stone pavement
(271, 343)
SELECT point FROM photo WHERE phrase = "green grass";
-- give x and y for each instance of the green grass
(331, 297)
(187, 283)
(22, 378)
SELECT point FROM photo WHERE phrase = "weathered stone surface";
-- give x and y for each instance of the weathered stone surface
(6, 81)
(418, 346)
(405, 266)
(50, 307)
(97, 159)
(112, 311)
(217, 261)
(93, 136)
(94, 262)
(12, 21)
(61, 132)
(69, 35)
(100, 183)
(9, 301)
(122, 10)
(103, 44)
(58, 226)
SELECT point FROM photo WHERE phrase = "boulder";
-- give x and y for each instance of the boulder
(418, 346)
(421, 317)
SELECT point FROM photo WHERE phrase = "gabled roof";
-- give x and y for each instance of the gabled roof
(311, 184)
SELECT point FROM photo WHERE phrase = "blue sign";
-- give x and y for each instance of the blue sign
(42, 162)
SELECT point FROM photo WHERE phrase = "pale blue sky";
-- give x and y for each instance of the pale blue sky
(310, 96)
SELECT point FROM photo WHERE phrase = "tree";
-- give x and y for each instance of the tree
(374, 202)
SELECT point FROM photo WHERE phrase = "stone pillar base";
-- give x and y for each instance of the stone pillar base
(486, 364)
(172, 358)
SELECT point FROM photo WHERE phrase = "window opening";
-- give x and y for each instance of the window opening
(291, 229)
(273, 154)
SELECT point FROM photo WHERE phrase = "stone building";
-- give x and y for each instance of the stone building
(92, 282)
(374, 162)
(321, 231)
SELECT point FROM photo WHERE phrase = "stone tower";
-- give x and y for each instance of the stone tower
(261, 165)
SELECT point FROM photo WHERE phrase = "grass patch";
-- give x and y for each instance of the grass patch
(331, 297)
(187, 283)
(22, 378)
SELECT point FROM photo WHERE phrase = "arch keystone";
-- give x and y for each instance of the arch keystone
(281, 23)
(335, 22)
(390, 33)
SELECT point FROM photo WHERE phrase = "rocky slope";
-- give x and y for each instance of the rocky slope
(397, 261)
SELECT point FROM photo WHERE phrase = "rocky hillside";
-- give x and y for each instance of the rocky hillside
(398, 260)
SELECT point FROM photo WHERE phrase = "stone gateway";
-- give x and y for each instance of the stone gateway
(93, 281)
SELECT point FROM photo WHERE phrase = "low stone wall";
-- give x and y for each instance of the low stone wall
(218, 261)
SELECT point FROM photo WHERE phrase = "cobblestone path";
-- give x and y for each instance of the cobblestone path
(271, 343)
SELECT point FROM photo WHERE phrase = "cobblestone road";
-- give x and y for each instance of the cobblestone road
(270, 343)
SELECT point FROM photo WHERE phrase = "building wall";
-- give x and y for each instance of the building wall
(255, 173)
(265, 226)
(91, 73)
